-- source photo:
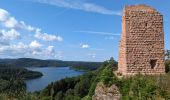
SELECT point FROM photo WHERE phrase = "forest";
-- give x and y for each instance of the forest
(139, 87)
(73, 88)
(12, 79)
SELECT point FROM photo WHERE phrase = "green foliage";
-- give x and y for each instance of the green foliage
(107, 76)
(104, 74)
(76, 87)
(167, 54)
(11, 79)
(87, 98)
(167, 66)
(66, 89)
(138, 87)
(72, 97)
(7, 72)
(143, 87)
(59, 96)
(92, 88)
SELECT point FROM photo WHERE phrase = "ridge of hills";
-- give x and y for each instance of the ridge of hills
(31, 62)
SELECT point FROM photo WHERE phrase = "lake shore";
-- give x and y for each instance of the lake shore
(50, 74)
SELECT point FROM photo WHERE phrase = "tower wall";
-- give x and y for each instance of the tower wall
(141, 48)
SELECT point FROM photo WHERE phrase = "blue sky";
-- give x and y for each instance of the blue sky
(77, 30)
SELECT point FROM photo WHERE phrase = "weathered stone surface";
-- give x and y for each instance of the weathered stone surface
(106, 93)
(141, 48)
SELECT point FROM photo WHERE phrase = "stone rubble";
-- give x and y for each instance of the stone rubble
(106, 93)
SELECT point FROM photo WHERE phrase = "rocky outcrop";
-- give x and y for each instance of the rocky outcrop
(106, 93)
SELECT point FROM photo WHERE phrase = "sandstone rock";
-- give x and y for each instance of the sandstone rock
(106, 93)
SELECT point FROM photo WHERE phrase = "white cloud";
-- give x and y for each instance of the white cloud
(50, 50)
(14, 48)
(3, 15)
(47, 52)
(47, 37)
(22, 46)
(11, 31)
(84, 46)
(80, 5)
(26, 27)
(10, 22)
(59, 38)
(34, 49)
(9, 35)
(35, 45)
(36, 52)
(3, 48)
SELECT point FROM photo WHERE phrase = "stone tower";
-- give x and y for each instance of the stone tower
(141, 48)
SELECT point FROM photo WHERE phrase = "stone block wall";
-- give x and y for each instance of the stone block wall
(141, 48)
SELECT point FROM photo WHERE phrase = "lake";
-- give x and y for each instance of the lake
(50, 74)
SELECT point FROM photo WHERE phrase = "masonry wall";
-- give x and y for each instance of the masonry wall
(141, 48)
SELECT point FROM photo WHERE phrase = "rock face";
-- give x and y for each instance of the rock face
(141, 48)
(106, 93)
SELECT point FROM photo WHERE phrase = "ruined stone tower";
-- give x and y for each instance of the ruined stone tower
(141, 48)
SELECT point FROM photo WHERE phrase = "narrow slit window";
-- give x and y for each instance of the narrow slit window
(146, 24)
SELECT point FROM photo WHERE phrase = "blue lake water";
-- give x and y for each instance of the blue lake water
(50, 74)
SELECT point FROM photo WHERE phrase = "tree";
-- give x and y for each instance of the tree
(111, 59)
(167, 54)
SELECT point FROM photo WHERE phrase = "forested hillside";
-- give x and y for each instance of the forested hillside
(29, 62)
(12, 79)
(139, 87)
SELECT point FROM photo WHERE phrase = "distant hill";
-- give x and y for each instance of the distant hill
(30, 62)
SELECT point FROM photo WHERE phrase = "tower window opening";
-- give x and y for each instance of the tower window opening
(153, 63)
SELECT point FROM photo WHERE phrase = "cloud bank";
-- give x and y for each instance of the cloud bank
(11, 23)
(11, 32)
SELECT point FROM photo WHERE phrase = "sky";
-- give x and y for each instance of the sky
(71, 30)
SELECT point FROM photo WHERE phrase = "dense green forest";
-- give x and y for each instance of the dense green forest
(68, 88)
(139, 87)
(79, 87)
(30, 62)
(73, 88)
(7, 72)
(12, 79)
